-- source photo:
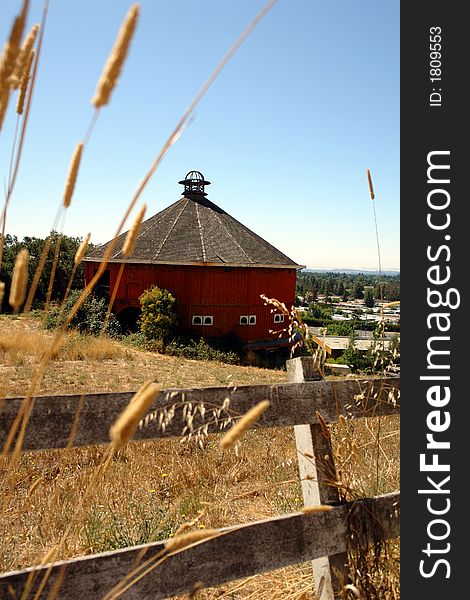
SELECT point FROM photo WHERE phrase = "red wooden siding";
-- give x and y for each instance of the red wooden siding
(224, 293)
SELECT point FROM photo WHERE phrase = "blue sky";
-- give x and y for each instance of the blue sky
(285, 134)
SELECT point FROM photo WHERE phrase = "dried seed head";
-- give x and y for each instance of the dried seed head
(81, 250)
(371, 187)
(185, 539)
(126, 424)
(12, 47)
(317, 508)
(23, 56)
(323, 425)
(4, 97)
(243, 424)
(24, 82)
(352, 589)
(19, 279)
(2, 293)
(113, 66)
(8, 59)
(133, 232)
(72, 174)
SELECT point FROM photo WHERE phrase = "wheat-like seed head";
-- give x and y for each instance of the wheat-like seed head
(72, 175)
(24, 82)
(8, 59)
(234, 434)
(133, 232)
(126, 424)
(81, 250)
(113, 66)
(23, 56)
(19, 279)
(371, 187)
(185, 539)
(4, 96)
(2, 293)
(12, 47)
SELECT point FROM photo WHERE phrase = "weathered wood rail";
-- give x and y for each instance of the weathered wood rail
(239, 552)
(236, 552)
(53, 417)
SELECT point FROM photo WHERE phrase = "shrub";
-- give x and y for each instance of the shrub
(200, 350)
(89, 318)
(158, 316)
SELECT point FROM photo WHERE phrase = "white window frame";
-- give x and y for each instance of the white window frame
(279, 318)
(203, 320)
(244, 317)
(252, 320)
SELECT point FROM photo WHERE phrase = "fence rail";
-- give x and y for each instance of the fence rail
(53, 417)
(238, 552)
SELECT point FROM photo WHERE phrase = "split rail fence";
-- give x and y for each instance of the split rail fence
(241, 551)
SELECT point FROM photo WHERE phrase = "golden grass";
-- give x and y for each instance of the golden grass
(72, 174)
(86, 364)
(25, 342)
(126, 424)
(242, 425)
(151, 489)
(133, 232)
(23, 57)
(81, 250)
(24, 82)
(19, 279)
(113, 66)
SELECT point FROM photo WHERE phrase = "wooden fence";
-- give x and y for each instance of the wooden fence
(235, 552)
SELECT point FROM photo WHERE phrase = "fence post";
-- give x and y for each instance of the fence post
(330, 573)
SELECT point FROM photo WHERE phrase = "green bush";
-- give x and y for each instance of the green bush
(89, 318)
(158, 317)
(200, 350)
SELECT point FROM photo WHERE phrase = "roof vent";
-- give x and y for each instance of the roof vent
(194, 184)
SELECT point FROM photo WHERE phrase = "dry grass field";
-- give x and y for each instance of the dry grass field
(152, 488)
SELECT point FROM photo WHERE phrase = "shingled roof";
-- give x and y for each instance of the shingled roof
(194, 230)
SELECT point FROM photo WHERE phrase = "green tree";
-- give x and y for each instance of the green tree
(158, 316)
(358, 290)
(369, 298)
(68, 248)
(353, 357)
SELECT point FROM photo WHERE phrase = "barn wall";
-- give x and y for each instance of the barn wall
(224, 293)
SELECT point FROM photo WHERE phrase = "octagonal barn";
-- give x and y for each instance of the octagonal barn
(214, 266)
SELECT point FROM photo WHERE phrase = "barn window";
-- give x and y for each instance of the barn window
(279, 318)
(244, 320)
(252, 319)
(203, 320)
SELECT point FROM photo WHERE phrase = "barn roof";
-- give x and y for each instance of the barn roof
(194, 230)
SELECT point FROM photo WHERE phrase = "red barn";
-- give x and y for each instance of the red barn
(214, 266)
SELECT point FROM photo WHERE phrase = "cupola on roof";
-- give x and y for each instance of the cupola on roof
(194, 184)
